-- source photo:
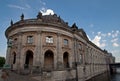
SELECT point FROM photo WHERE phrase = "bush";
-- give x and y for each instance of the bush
(2, 61)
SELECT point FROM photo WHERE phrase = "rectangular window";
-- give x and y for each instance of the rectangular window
(80, 58)
(49, 39)
(65, 42)
(30, 39)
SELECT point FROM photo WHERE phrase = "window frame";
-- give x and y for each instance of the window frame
(66, 42)
(30, 39)
(49, 39)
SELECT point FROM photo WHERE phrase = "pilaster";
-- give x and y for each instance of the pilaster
(59, 51)
(19, 49)
(8, 61)
(38, 52)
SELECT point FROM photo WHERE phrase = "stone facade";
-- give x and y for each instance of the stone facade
(59, 52)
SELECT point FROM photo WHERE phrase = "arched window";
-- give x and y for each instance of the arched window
(66, 60)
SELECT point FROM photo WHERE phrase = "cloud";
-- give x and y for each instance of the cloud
(116, 53)
(99, 39)
(42, 3)
(93, 33)
(96, 40)
(115, 44)
(114, 40)
(115, 33)
(117, 59)
(103, 45)
(113, 36)
(44, 10)
(91, 25)
(101, 34)
(16, 6)
(47, 11)
(89, 37)
(28, 6)
(19, 7)
(109, 34)
(104, 40)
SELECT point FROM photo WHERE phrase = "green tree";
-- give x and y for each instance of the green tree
(2, 61)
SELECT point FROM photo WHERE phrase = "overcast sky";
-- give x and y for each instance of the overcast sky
(99, 18)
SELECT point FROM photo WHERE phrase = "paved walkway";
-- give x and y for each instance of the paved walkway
(16, 77)
(0, 75)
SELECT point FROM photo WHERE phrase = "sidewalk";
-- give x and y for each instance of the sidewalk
(16, 77)
(0, 75)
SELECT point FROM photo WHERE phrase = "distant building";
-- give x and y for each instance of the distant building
(59, 52)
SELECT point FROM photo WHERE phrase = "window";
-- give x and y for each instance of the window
(80, 58)
(80, 46)
(14, 59)
(15, 41)
(30, 39)
(10, 42)
(65, 42)
(49, 39)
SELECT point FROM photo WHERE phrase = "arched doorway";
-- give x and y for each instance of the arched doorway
(48, 60)
(65, 60)
(29, 59)
(14, 58)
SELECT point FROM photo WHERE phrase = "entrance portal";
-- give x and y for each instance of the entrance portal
(29, 59)
(65, 60)
(48, 59)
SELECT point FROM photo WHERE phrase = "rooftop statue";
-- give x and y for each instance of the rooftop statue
(39, 16)
(22, 17)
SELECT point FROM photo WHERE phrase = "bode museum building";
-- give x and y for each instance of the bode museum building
(58, 52)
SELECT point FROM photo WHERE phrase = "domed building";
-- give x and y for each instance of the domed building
(47, 44)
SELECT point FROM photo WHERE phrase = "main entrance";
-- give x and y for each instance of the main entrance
(48, 60)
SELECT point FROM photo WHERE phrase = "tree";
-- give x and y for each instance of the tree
(2, 61)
